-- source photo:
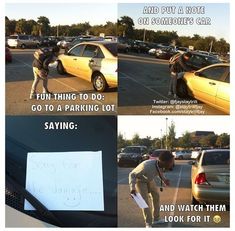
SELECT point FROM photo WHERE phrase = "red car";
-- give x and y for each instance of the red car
(8, 56)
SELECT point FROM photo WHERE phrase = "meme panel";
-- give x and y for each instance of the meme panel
(61, 171)
(59, 64)
(173, 171)
(174, 59)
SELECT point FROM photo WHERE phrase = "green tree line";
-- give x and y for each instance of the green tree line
(42, 27)
(170, 141)
(125, 27)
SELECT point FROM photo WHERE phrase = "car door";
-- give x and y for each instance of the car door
(90, 61)
(222, 99)
(70, 60)
(205, 83)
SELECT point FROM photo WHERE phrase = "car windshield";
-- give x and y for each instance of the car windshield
(216, 158)
(112, 47)
(132, 150)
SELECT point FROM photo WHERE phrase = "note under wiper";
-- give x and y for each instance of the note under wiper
(66, 180)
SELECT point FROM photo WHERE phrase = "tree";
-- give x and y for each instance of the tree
(223, 140)
(135, 139)
(10, 26)
(171, 140)
(126, 26)
(185, 141)
(44, 24)
(121, 141)
(21, 26)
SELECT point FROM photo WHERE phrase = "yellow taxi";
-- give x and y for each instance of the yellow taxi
(94, 61)
(210, 85)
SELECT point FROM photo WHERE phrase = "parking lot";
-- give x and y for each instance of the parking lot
(19, 78)
(143, 89)
(177, 194)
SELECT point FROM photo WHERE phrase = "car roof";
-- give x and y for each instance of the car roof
(216, 150)
(99, 42)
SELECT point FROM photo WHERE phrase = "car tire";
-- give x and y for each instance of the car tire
(60, 68)
(23, 46)
(194, 201)
(180, 158)
(182, 90)
(99, 82)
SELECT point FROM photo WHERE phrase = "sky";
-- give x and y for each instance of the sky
(64, 14)
(155, 126)
(218, 13)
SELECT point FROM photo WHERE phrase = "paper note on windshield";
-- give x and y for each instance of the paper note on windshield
(139, 200)
(66, 180)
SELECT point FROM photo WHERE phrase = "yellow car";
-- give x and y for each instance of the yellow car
(210, 85)
(95, 62)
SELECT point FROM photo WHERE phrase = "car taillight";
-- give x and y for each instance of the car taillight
(201, 179)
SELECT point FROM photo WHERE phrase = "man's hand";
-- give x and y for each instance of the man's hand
(133, 191)
(166, 182)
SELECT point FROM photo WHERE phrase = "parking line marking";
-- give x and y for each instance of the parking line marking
(26, 64)
(148, 88)
(175, 195)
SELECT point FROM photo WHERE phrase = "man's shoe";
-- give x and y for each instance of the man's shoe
(159, 221)
(32, 96)
(175, 96)
(148, 225)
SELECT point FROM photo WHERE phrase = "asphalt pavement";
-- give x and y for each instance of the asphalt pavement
(74, 95)
(175, 200)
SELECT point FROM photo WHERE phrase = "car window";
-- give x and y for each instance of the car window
(216, 158)
(227, 79)
(76, 51)
(99, 53)
(23, 37)
(112, 48)
(214, 73)
(196, 60)
(132, 150)
(89, 51)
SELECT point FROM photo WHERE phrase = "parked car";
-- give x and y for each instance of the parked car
(8, 55)
(95, 62)
(47, 42)
(139, 46)
(22, 41)
(182, 154)
(63, 43)
(131, 155)
(165, 52)
(210, 177)
(123, 45)
(197, 60)
(154, 154)
(210, 85)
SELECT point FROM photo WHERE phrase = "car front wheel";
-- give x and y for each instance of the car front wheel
(194, 201)
(99, 82)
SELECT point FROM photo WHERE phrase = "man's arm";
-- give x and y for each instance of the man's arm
(134, 174)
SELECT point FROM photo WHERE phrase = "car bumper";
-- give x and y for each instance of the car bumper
(112, 80)
(208, 194)
(128, 161)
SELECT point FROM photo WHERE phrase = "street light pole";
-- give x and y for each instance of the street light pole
(166, 131)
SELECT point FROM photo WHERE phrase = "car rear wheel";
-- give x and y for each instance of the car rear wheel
(23, 46)
(194, 201)
(182, 90)
(99, 82)
(60, 68)
(180, 157)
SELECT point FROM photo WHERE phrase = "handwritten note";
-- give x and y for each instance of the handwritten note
(66, 180)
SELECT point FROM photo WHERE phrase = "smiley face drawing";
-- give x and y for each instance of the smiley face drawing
(72, 201)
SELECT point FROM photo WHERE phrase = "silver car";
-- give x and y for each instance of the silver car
(211, 177)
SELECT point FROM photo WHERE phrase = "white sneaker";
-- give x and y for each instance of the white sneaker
(159, 221)
(175, 96)
(148, 225)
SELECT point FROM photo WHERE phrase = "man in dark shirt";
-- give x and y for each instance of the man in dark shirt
(41, 70)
